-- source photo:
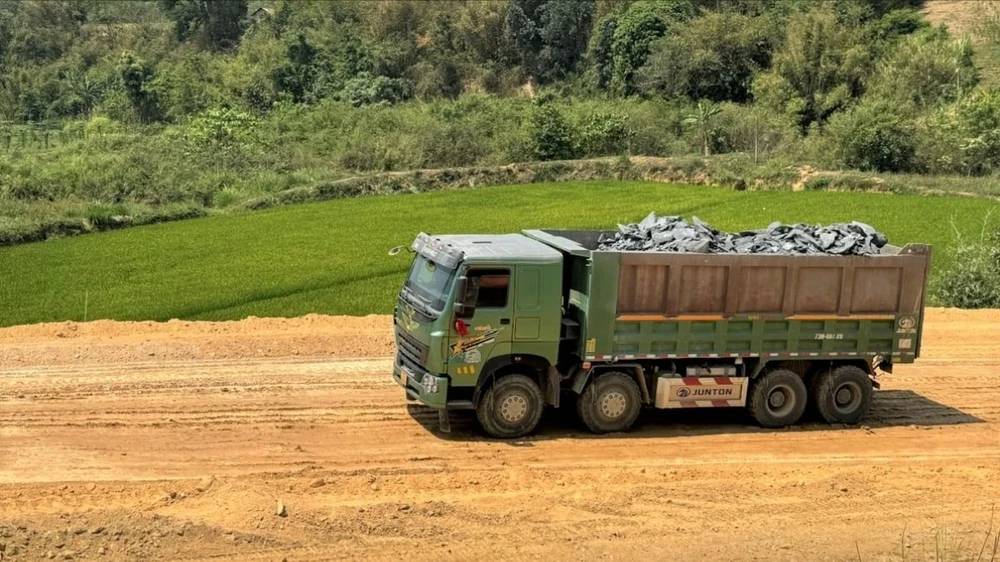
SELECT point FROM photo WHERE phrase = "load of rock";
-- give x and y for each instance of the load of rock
(674, 234)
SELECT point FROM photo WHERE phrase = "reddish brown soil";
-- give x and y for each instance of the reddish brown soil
(176, 441)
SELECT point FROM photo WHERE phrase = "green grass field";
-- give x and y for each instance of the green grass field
(331, 257)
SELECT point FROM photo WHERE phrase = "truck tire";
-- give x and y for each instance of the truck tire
(843, 394)
(610, 403)
(511, 407)
(778, 398)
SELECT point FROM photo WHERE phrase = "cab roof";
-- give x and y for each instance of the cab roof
(498, 247)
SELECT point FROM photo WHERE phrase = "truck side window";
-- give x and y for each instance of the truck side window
(493, 285)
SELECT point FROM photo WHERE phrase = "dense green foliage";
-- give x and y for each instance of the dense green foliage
(331, 257)
(974, 279)
(714, 57)
(169, 108)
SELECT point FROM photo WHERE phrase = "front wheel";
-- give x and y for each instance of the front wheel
(843, 395)
(610, 404)
(511, 408)
(778, 399)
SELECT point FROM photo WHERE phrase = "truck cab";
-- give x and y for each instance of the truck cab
(467, 303)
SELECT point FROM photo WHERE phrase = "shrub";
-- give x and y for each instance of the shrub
(753, 130)
(818, 183)
(973, 281)
(552, 137)
(366, 89)
(897, 23)
(979, 119)
(874, 137)
(604, 134)
(221, 128)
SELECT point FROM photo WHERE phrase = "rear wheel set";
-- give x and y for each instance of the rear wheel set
(778, 398)
(840, 395)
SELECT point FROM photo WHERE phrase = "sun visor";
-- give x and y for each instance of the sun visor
(437, 250)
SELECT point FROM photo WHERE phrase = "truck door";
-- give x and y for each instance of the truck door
(488, 331)
(528, 313)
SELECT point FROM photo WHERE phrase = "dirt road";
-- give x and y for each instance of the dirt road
(177, 441)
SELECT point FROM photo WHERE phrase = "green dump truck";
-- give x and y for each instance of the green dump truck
(507, 325)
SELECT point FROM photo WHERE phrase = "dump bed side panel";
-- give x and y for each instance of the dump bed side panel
(679, 284)
(678, 305)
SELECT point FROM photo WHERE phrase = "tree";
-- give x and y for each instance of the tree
(137, 76)
(564, 32)
(81, 93)
(439, 75)
(820, 69)
(481, 32)
(702, 120)
(36, 31)
(713, 57)
(639, 26)
(550, 35)
(926, 69)
(601, 51)
(220, 22)
(523, 22)
(298, 74)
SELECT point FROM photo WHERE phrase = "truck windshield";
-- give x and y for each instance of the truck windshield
(429, 282)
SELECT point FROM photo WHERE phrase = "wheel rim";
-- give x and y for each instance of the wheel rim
(847, 397)
(613, 404)
(513, 408)
(781, 400)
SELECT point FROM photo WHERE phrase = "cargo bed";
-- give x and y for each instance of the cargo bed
(680, 305)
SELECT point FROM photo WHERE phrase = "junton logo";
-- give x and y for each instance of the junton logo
(720, 392)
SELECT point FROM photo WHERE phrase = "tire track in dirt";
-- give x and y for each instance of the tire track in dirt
(185, 456)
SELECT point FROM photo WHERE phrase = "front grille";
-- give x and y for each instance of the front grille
(410, 349)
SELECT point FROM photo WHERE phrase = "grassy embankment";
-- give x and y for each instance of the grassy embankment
(331, 257)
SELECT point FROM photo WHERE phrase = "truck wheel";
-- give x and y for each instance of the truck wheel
(609, 404)
(779, 399)
(843, 394)
(511, 407)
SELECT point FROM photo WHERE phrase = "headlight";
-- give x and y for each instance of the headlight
(429, 382)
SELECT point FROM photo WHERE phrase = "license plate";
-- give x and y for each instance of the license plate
(404, 375)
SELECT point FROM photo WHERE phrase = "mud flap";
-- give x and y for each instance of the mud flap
(553, 386)
(444, 421)
(883, 364)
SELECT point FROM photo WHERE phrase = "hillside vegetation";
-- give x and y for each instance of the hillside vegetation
(179, 108)
(331, 257)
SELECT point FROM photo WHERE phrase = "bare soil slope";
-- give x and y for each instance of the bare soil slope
(184, 441)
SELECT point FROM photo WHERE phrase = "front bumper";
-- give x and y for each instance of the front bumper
(415, 388)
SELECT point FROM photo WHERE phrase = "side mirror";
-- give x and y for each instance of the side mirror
(463, 308)
(395, 250)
